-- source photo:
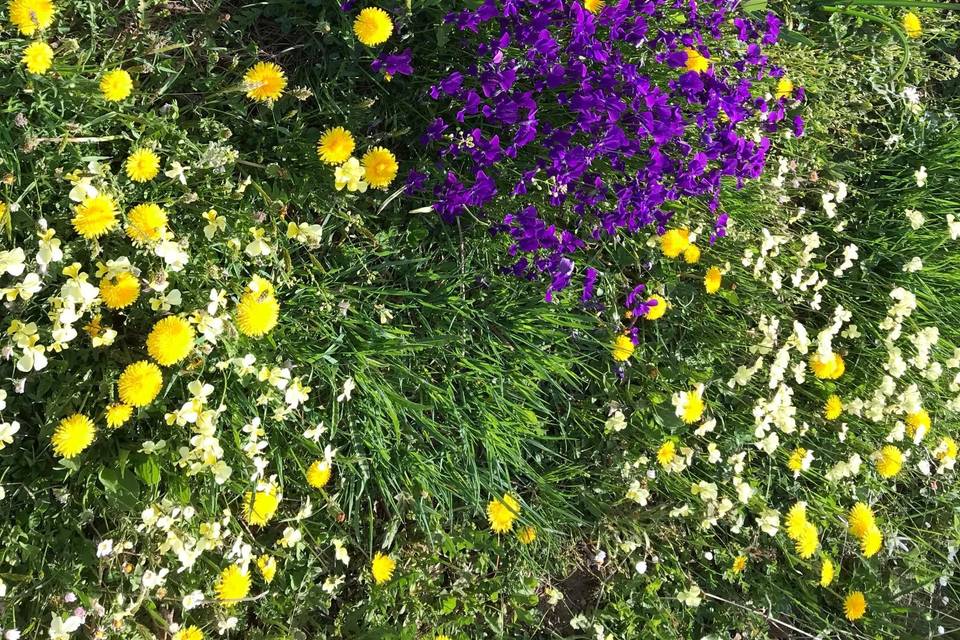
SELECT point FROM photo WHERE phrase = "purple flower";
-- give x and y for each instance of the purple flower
(394, 64)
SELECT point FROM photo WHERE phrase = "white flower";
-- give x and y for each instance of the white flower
(341, 551)
(616, 422)
(7, 431)
(331, 584)
(915, 217)
(177, 172)
(105, 548)
(12, 634)
(348, 386)
(954, 227)
(258, 246)
(173, 254)
(691, 597)
(152, 579)
(921, 176)
(769, 521)
(226, 625)
(290, 537)
(12, 262)
(192, 600)
(61, 628)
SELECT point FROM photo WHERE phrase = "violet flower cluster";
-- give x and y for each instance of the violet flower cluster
(584, 126)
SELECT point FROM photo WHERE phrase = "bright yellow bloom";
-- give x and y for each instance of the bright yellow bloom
(116, 85)
(382, 568)
(594, 6)
(889, 461)
(233, 585)
(796, 460)
(373, 26)
(860, 519)
(711, 281)
(833, 408)
(918, 422)
(826, 572)
(667, 453)
(527, 535)
(946, 450)
(140, 383)
(502, 513)
(142, 165)
(656, 312)
(691, 255)
(622, 348)
(146, 223)
(739, 564)
(379, 167)
(911, 24)
(796, 519)
(170, 340)
(830, 368)
(38, 57)
(259, 507)
(264, 82)
(854, 606)
(335, 146)
(807, 541)
(784, 88)
(674, 242)
(30, 15)
(872, 541)
(73, 435)
(257, 313)
(95, 216)
(267, 566)
(118, 414)
(696, 62)
(120, 291)
(691, 408)
(188, 633)
(318, 474)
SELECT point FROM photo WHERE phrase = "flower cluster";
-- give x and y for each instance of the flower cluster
(557, 118)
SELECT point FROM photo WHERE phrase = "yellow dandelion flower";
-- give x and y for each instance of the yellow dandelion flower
(318, 474)
(594, 6)
(142, 165)
(259, 507)
(656, 312)
(30, 15)
(797, 460)
(442, 637)
(379, 167)
(889, 461)
(796, 519)
(233, 584)
(267, 566)
(696, 61)
(807, 541)
(382, 568)
(140, 383)
(692, 406)
(73, 435)
(264, 82)
(116, 85)
(674, 242)
(95, 216)
(373, 26)
(527, 535)
(38, 57)
(784, 88)
(146, 223)
(257, 314)
(120, 291)
(854, 606)
(827, 572)
(170, 340)
(117, 415)
(712, 280)
(918, 424)
(667, 453)
(335, 146)
(502, 513)
(911, 25)
(860, 519)
(739, 564)
(189, 633)
(833, 408)
(829, 368)
(872, 541)
(622, 348)
(691, 255)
